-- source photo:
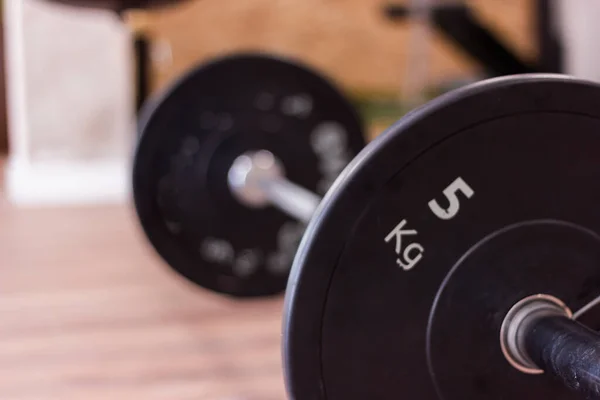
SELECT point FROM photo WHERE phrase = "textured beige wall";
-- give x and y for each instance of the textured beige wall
(347, 39)
(70, 73)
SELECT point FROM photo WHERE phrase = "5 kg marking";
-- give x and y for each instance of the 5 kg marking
(410, 255)
(406, 261)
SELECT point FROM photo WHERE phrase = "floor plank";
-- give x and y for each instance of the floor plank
(88, 312)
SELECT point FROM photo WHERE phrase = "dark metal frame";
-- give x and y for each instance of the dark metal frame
(459, 24)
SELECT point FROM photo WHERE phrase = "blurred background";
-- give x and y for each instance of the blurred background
(87, 310)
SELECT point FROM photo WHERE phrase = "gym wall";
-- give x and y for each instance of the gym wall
(70, 74)
(350, 40)
(70, 109)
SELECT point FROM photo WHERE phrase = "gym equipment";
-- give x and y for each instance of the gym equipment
(457, 22)
(456, 257)
(456, 254)
(205, 146)
(118, 5)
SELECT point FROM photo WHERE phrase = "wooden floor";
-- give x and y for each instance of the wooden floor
(88, 312)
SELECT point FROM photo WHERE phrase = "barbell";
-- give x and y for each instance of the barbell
(456, 256)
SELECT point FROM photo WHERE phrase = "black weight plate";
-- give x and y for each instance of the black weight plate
(191, 136)
(358, 325)
(118, 5)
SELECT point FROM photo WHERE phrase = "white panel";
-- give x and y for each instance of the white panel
(71, 102)
(579, 22)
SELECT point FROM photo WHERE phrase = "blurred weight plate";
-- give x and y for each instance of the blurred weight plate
(190, 137)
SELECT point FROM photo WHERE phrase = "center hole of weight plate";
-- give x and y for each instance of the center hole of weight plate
(518, 322)
(247, 176)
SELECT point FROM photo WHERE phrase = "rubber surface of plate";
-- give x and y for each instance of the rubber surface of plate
(484, 196)
(191, 136)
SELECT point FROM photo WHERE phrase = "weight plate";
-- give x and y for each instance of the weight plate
(194, 132)
(480, 198)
